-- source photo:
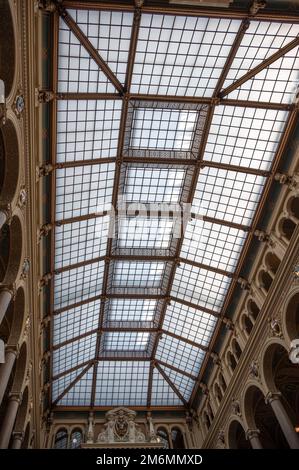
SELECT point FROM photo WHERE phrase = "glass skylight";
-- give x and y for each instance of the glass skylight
(169, 126)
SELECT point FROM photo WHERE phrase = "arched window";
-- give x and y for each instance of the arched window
(236, 349)
(248, 325)
(61, 439)
(222, 382)
(287, 228)
(163, 436)
(218, 393)
(177, 439)
(253, 309)
(266, 280)
(231, 361)
(76, 439)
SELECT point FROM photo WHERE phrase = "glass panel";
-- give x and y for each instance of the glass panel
(76, 439)
(122, 383)
(162, 393)
(110, 33)
(137, 274)
(277, 83)
(151, 185)
(74, 354)
(59, 385)
(199, 286)
(163, 129)
(227, 195)
(84, 190)
(125, 341)
(80, 393)
(87, 129)
(76, 321)
(78, 284)
(141, 232)
(131, 310)
(261, 40)
(246, 137)
(183, 384)
(77, 71)
(61, 439)
(179, 354)
(213, 244)
(190, 323)
(81, 241)
(179, 55)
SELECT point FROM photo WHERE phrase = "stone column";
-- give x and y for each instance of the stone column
(5, 298)
(18, 438)
(9, 419)
(6, 368)
(282, 417)
(253, 437)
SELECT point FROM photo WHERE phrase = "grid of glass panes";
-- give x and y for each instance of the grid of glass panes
(60, 384)
(213, 244)
(179, 55)
(122, 383)
(125, 341)
(189, 323)
(76, 321)
(109, 32)
(131, 310)
(179, 354)
(261, 40)
(81, 241)
(80, 393)
(183, 383)
(163, 129)
(227, 195)
(87, 129)
(84, 190)
(199, 286)
(144, 232)
(245, 137)
(137, 274)
(162, 393)
(77, 71)
(78, 284)
(153, 185)
(73, 354)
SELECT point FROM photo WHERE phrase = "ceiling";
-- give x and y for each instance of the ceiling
(166, 115)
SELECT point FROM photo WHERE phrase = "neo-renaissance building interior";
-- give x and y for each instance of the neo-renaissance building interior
(149, 215)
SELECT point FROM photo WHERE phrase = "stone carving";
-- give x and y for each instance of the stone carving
(275, 327)
(90, 429)
(121, 427)
(22, 198)
(220, 443)
(254, 369)
(236, 407)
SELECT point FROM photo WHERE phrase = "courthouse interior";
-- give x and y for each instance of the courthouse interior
(149, 217)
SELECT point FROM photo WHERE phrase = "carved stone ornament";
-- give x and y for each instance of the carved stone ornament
(275, 327)
(256, 6)
(25, 268)
(22, 198)
(296, 272)
(19, 105)
(121, 427)
(236, 407)
(254, 369)
(220, 443)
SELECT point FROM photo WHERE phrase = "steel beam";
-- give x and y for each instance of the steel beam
(176, 369)
(72, 384)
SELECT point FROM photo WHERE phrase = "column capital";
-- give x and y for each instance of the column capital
(18, 435)
(272, 396)
(251, 433)
(12, 348)
(15, 396)
(11, 289)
